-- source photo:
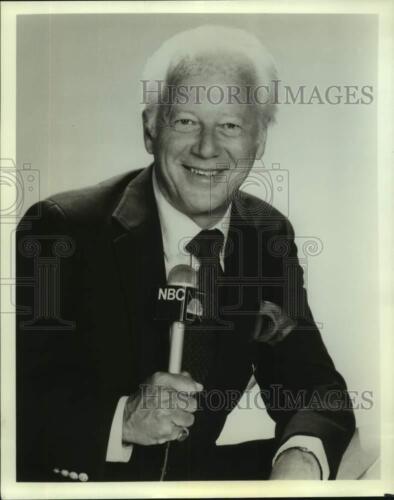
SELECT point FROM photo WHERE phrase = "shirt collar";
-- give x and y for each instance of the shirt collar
(177, 228)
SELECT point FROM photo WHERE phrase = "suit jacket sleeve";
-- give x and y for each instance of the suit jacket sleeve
(63, 416)
(303, 392)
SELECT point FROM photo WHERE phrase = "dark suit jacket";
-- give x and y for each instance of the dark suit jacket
(86, 333)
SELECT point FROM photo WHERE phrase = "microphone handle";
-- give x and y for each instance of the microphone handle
(177, 333)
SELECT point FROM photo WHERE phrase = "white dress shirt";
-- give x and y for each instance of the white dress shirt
(177, 231)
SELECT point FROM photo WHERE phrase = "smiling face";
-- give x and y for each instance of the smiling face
(204, 151)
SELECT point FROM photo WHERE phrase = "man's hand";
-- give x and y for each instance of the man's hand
(157, 413)
(296, 464)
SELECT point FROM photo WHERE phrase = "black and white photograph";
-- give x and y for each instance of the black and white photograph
(196, 231)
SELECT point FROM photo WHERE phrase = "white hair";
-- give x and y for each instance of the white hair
(209, 48)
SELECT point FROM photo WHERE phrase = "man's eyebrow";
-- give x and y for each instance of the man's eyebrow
(177, 112)
(232, 118)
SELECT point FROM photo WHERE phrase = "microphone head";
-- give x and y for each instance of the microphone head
(180, 299)
(182, 275)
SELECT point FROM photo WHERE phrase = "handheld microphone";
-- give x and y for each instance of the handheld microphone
(181, 304)
(183, 279)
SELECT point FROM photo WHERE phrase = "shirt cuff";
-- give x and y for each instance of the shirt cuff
(116, 450)
(312, 444)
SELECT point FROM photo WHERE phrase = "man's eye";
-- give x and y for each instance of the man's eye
(185, 125)
(231, 129)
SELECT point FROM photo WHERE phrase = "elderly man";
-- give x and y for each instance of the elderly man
(95, 400)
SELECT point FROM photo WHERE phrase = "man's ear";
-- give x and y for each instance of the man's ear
(148, 132)
(262, 139)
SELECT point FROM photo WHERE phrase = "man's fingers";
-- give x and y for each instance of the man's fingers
(182, 418)
(178, 382)
(184, 383)
(186, 402)
(172, 426)
(174, 434)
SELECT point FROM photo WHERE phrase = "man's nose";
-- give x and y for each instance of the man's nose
(206, 145)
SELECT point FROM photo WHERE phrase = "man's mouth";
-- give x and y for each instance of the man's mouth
(204, 172)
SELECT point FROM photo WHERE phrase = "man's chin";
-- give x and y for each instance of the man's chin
(205, 212)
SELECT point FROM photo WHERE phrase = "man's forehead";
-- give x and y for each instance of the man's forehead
(216, 93)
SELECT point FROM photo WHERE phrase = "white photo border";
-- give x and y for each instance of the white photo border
(10, 489)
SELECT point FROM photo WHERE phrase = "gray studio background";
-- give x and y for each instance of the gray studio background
(78, 122)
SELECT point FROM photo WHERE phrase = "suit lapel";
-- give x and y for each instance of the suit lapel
(239, 299)
(241, 273)
(139, 251)
(247, 264)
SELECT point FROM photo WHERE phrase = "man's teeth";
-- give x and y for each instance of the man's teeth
(205, 173)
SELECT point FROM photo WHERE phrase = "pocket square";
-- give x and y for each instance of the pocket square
(272, 324)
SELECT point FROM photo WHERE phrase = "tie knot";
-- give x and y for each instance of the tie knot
(207, 244)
